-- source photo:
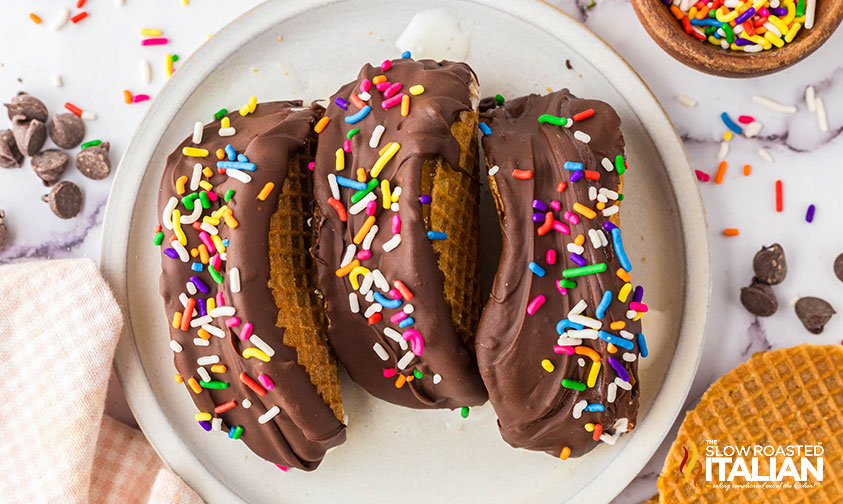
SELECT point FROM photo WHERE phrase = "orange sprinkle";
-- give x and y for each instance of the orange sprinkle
(345, 270)
(177, 378)
(566, 452)
(220, 154)
(747, 169)
(617, 325)
(321, 124)
(399, 382)
(611, 348)
(405, 105)
(721, 172)
(207, 172)
(180, 184)
(34, 17)
(580, 239)
(204, 256)
(194, 252)
(410, 378)
(623, 275)
(127, 96)
(218, 368)
(361, 233)
(677, 12)
(230, 221)
(584, 211)
(266, 190)
(731, 232)
(600, 205)
(205, 335)
(361, 175)
(378, 79)
(194, 385)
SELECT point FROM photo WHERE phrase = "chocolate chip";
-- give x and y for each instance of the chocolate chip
(759, 299)
(30, 135)
(28, 106)
(4, 233)
(93, 162)
(10, 156)
(814, 312)
(65, 200)
(838, 267)
(66, 130)
(50, 165)
(769, 265)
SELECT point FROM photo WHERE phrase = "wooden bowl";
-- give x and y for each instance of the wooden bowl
(669, 34)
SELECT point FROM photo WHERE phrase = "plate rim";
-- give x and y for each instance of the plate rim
(118, 216)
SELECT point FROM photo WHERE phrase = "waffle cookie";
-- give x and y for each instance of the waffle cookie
(397, 231)
(560, 337)
(780, 398)
(248, 329)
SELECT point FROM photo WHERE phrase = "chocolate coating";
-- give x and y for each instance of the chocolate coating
(534, 410)
(306, 427)
(423, 135)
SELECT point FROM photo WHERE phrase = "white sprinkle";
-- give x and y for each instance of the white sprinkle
(405, 360)
(223, 311)
(392, 334)
(436, 379)
(592, 193)
(269, 415)
(565, 341)
(200, 321)
(611, 392)
(686, 101)
(192, 217)
(612, 195)
(582, 333)
(394, 207)
(822, 118)
(262, 345)
(240, 175)
(810, 13)
(372, 309)
(581, 362)
(595, 238)
(579, 408)
(214, 330)
(753, 48)
(724, 151)
(364, 96)
(771, 28)
(569, 123)
(376, 136)
(208, 360)
(216, 424)
(349, 255)
(197, 136)
(246, 403)
(582, 136)
(409, 309)
(578, 308)
(370, 237)
(380, 280)
(393, 242)
(366, 284)
(630, 314)
(766, 156)
(586, 321)
(200, 342)
(180, 250)
(191, 289)
(607, 164)
(381, 351)
(626, 334)
(603, 239)
(197, 168)
(629, 356)
(88, 116)
(166, 215)
(175, 346)
(622, 384)
(57, 82)
(602, 198)
(810, 97)
(353, 302)
(773, 105)
(203, 373)
(145, 71)
(576, 249)
(493, 170)
(361, 205)
(752, 129)
(61, 19)
(612, 210)
(227, 132)
(335, 189)
(234, 279)
(183, 299)
(370, 297)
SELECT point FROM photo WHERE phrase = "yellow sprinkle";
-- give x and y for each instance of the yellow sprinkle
(150, 32)
(355, 273)
(361, 174)
(617, 325)
(210, 303)
(244, 110)
(207, 172)
(776, 41)
(211, 220)
(624, 292)
(395, 195)
(381, 162)
(592, 375)
(548, 366)
(589, 427)
(205, 335)
(177, 320)
(218, 243)
(638, 317)
(579, 240)
(267, 188)
(218, 368)
(387, 195)
(345, 270)
(384, 148)
(623, 275)
(364, 229)
(566, 452)
(584, 211)
(340, 161)
(204, 184)
(791, 34)
(416, 90)
(168, 64)
(177, 378)
(225, 122)
(194, 152)
(176, 221)
(253, 103)
(256, 353)
(194, 385)
(321, 124)
(202, 416)
(405, 105)
(219, 212)
(727, 136)
(777, 22)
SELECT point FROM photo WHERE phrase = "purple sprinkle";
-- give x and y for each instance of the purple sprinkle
(623, 374)
(201, 307)
(172, 254)
(740, 41)
(575, 176)
(577, 259)
(205, 425)
(778, 11)
(608, 226)
(425, 199)
(538, 217)
(341, 103)
(538, 205)
(746, 15)
(200, 285)
(809, 216)
(638, 295)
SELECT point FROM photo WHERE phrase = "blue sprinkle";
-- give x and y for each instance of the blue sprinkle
(242, 158)
(642, 345)
(600, 312)
(622, 258)
(594, 407)
(200, 285)
(353, 184)
(359, 115)
(236, 165)
(485, 129)
(576, 175)
(406, 54)
(571, 165)
(615, 340)
(535, 268)
(231, 432)
(386, 302)
(406, 322)
(341, 103)
(425, 199)
(229, 151)
(565, 324)
(436, 235)
(205, 425)
(730, 123)
(225, 242)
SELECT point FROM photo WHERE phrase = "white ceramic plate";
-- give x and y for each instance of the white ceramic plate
(395, 453)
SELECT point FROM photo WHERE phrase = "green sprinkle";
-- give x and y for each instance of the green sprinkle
(215, 274)
(228, 195)
(352, 133)
(620, 167)
(237, 432)
(213, 384)
(590, 5)
(620, 197)
(730, 35)
(573, 384)
(710, 30)
(219, 113)
(464, 412)
(203, 198)
(800, 8)
(159, 238)
(188, 200)
(552, 119)
(585, 270)
(175, 57)
(363, 192)
(499, 99)
(92, 143)
(418, 374)
(568, 284)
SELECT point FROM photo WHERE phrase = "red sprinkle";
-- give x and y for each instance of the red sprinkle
(548, 224)
(73, 108)
(592, 175)
(80, 3)
(375, 318)
(222, 408)
(745, 119)
(522, 174)
(188, 314)
(560, 187)
(405, 292)
(356, 101)
(585, 114)
(336, 205)
(598, 429)
(252, 384)
(779, 196)
(79, 17)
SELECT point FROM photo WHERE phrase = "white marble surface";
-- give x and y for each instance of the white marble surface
(98, 58)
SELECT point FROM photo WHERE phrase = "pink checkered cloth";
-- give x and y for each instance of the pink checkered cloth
(59, 325)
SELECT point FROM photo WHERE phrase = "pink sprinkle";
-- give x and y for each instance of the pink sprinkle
(206, 239)
(556, 205)
(266, 381)
(391, 102)
(382, 86)
(364, 254)
(396, 224)
(389, 373)
(139, 98)
(310, 165)
(216, 261)
(391, 90)
(246, 332)
(283, 468)
(386, 65)
(745, 119)
(154, 41)
(565, 349)
(220, 299)
(395, 293)
(415, 339)
(702, 176)
(571, 217)
(535, 304)
(365, 86)
(346, 146)
(232, 322)
(561, 227)
(550, 257)
(562, 290)
(639, 307)
(398, 317)
(763, 12)
(211, 195)
(371, 206)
